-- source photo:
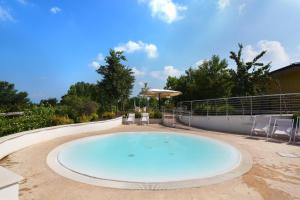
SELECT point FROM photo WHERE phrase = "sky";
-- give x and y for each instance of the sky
(47, 45)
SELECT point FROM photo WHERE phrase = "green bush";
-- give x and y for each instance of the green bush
(84, 118)
(37, 117)
(108, 115)
(155, 114)
(61, 120)
(138, 115)
(295, 116)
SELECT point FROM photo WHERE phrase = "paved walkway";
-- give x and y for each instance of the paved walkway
(272, 176)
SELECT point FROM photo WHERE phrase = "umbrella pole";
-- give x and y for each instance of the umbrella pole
(159, 101)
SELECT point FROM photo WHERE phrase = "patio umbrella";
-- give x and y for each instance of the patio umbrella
(161, 93)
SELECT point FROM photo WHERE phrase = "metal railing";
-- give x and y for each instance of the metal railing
(247, 105)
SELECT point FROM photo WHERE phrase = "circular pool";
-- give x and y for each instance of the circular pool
(148, 157)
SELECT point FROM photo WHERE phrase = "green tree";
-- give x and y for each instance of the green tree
(209, 80)
(49, 102)
(249, 78)
(10, 99)
(82, 89)
(117, 79)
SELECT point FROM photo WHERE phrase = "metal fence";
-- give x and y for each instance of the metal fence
(248, 105)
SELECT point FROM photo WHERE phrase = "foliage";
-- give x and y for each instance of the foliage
(138, 115)
(210, 80)
(75, 106)
(36, 117)
(108, 115)
(155, 114)
(117, 79)
(61, 120)
(295, 116)
(10, 99)
(88, 118)
(249, 78)
(82, 89)
(49, 102)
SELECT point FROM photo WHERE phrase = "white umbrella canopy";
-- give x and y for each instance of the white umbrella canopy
(161, 93)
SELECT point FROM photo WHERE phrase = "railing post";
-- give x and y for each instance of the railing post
(226, 107)
(280, 104)
(207, 108)
(251, 105)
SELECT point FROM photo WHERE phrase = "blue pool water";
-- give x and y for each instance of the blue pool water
(149, 157)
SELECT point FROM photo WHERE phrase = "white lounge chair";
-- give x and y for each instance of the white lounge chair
(261, 124)
(145, 118)
(130, 118)
(297, 130)
(283, 127)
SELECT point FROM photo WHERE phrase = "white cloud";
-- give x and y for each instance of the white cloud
(137, 72)
(165, 10)
(275, 53)
(5, 14)
(241, 8)
(222, 4)
(141, 84)
(168, 71)
(172, 71)
(97, 62)
(55, 10)
(131, 47)
(94, 64)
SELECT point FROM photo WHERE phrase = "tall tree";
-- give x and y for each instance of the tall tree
(249, 78)
(11, 99)
(210, 80)
(117, 79)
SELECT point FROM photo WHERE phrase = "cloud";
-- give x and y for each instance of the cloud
(98, 61)
(275, 53)
(165, 10)
(131, 47)
(241, 8)
(172, 71)
(55, 10)
(137, 72)
(141, 84)
(169, 70)
(5, 15)
(222, 4)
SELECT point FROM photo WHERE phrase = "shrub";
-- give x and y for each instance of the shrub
(94, 117)
(84, 118)
(295, 116)
(108, 115)
(138, 115)
(37, 117)
(155, 114)
(61, 120)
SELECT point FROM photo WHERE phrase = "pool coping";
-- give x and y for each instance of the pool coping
(244, 166)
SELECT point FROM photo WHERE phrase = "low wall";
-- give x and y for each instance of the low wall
(11, 143)
(233, 123)
(138, 121)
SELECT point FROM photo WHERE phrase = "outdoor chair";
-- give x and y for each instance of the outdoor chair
(130, 118)
(261, 124)
(283, 127)
(297, 130)
(145, 118)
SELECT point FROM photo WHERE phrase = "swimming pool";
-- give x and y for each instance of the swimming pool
(148, 157)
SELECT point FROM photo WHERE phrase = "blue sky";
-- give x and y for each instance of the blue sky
(47, 45)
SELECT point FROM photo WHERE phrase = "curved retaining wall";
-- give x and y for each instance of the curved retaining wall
(8, 180)
(232, 123)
